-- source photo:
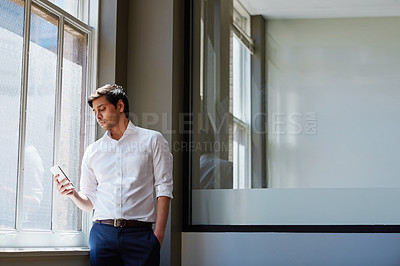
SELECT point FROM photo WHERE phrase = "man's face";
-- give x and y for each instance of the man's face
(107, 114)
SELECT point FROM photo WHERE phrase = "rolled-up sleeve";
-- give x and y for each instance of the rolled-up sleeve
(162, 167)
(88, 182)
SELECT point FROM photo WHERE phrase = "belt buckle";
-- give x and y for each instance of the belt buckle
(116, 223)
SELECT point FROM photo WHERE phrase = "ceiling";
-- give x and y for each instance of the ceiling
(287, 9)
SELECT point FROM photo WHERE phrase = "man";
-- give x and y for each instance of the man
(119, 173)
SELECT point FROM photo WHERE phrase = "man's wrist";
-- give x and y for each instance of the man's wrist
(72, 195)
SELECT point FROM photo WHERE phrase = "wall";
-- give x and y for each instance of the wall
(40, 258)
(155, 90)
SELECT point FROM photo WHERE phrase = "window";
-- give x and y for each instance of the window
(77, 8)
(45, 78)
(241, 102)
(241, 116)
(224, 104)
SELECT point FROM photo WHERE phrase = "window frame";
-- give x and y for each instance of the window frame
(242, 123)
(36, 239)
(192, 59)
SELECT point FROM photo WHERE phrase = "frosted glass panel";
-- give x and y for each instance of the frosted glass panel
(334, 103)
(11, 43)
(37, 199)
(288, 206)
(72, 112)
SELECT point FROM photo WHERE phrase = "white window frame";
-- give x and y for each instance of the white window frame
(241, 25)
(54, 239)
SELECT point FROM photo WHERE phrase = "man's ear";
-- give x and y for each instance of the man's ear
(120, 106)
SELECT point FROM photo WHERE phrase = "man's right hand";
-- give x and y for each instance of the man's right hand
(64, 187)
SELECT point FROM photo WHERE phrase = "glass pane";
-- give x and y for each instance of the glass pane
(241, 160)
(224, 107)
(241, 81)
(37, 200)
(241, 111)
(11, 51)
(71, 6)
(72, 119)
(213, 158)
(333, 102)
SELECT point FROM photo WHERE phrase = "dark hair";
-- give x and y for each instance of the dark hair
(113, 94)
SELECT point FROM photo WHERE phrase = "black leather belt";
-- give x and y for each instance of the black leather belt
(124, 223)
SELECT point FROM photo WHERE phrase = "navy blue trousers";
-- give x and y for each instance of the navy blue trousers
(131, 246)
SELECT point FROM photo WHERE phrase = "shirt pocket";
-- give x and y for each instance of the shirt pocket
(135, 166)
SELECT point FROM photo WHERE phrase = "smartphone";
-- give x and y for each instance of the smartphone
(56, 170)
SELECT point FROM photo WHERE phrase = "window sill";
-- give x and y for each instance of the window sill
(40, 252)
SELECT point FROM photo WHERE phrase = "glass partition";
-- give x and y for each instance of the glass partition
(295, 119)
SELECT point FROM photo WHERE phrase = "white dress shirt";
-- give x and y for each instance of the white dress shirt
(120, 177)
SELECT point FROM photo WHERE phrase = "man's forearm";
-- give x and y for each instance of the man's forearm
(81, 201)
(162, 217)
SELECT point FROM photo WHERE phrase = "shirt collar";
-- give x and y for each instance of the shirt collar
(131, 129)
